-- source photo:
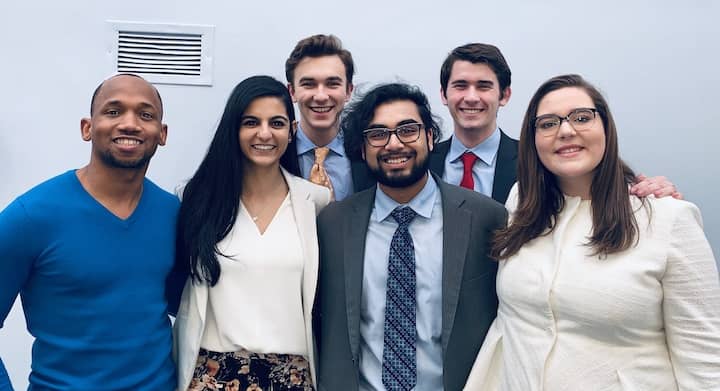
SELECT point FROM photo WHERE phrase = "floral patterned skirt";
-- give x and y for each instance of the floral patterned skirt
(247, 371)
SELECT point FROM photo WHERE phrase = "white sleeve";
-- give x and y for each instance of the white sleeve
(691, 304)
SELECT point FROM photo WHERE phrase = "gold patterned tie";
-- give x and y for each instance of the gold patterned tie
(318, 175)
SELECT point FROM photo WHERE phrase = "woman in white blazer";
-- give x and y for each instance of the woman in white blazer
(598, 290)
(247, 235)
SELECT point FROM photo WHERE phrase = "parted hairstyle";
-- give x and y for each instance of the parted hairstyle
(317, 46)
(477, 53)
(211, 198)
(360, 112)
(540, 199)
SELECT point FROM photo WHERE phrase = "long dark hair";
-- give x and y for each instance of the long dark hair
(211, 198)
(540, 199)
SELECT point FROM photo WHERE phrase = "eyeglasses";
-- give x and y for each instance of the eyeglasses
(380, 137)
(580, 119)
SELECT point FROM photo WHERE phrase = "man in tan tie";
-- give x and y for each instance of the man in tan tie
(319, 72)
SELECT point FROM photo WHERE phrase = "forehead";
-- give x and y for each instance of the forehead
(471, 72)
(320, 68)
(269, 106)
(391, 113)
(564, 100)
(127, 89)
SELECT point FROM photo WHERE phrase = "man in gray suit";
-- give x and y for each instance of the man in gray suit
(406, 290)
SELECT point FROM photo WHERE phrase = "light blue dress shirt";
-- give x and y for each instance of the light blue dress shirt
(337, 165)
(427, 233)
(483, 169)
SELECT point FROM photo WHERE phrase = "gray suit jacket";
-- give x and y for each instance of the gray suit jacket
(469, 301)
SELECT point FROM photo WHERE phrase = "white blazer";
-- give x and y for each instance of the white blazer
(647, 318)
(307, 201)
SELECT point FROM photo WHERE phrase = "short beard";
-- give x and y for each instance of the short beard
(136, 164)
(416, 174)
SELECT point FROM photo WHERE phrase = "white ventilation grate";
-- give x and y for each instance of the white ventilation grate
(162, 53)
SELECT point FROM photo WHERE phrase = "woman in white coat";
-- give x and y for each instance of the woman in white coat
(246, 232)
(598, 290)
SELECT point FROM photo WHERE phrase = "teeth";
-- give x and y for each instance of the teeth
(321, 109)
(264, 147)
(127, 141)
(397, 160)
(569, 150)
(471, 111)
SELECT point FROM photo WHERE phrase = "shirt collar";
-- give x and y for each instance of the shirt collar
(422, 203)
(304, 144)
(486, 150)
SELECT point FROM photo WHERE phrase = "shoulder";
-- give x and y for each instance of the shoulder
(671, 212)
(442, 147)
(50, 193)
(298, 186)
(160, 195)
(340, 209)
(468, 197)
(504, 138)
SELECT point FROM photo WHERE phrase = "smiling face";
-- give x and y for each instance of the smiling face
(398, 165)
(264, 132)
(570, 155)
(473, 97)
(125, 126)
(320, 89)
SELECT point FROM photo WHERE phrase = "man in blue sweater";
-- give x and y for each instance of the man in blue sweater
(89, 252)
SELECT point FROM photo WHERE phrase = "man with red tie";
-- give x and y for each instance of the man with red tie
(474, 84)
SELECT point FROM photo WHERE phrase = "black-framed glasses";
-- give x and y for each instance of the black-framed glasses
(580, 119)
(380, 137)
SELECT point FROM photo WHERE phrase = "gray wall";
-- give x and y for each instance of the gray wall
(656, 61)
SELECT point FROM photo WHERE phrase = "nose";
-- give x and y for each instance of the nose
(394, 142)
(264, 132)
(566, 129)
(130, 122)
(472, 94)
(321, 93)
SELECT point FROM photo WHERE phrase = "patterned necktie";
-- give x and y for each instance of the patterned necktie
(318, 175)
(468, 160)
(399, 363)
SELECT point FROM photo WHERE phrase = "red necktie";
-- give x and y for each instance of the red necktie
(468, 159)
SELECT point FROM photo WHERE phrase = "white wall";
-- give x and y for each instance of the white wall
(657, 62)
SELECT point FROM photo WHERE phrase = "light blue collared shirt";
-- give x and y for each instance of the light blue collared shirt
(427, 234)
(484, 168)
(337, 165)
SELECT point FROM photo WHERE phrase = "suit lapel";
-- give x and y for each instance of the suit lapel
(354, 237)
(505, 169)
(456, 237)
(304, 212)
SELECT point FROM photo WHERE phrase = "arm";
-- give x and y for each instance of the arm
(691, 304)
(16, 259)
(659, 186)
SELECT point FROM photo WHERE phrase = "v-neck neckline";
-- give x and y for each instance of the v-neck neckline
(285, 201)
(118, 220)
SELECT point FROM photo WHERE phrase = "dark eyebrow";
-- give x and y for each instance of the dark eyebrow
(282, 117)
(403, 122)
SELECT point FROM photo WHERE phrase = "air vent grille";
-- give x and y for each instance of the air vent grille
(158, 53)
(169, 54)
